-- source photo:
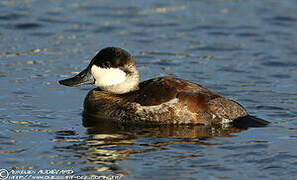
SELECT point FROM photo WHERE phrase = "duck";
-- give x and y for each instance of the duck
(119, 96)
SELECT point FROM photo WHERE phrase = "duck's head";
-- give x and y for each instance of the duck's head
(112, 69)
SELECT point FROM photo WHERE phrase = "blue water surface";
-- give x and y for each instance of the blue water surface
(245, 50)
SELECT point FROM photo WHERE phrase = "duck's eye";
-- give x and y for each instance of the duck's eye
(106, 65)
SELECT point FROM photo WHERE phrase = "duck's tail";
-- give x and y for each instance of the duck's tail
(249, 121)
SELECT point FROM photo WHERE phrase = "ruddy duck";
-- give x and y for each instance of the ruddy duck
(162, 100)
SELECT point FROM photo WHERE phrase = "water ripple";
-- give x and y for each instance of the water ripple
(11, 16)
(27, 26)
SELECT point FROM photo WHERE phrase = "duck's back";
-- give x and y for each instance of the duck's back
(164, 100)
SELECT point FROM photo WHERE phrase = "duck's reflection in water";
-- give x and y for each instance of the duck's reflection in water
(97, 127)
(109, 142)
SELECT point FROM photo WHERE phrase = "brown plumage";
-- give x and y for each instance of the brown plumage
(164, 100)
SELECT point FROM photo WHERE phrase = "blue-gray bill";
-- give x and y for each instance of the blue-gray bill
(83, 78)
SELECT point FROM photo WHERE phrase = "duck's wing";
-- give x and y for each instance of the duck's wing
(206, 106)
(163, 89)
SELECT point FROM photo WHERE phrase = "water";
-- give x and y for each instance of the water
(245, 50)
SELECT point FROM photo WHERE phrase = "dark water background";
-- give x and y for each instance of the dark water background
(244, 49)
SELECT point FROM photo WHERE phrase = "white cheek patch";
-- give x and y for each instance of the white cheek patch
(107, 76)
